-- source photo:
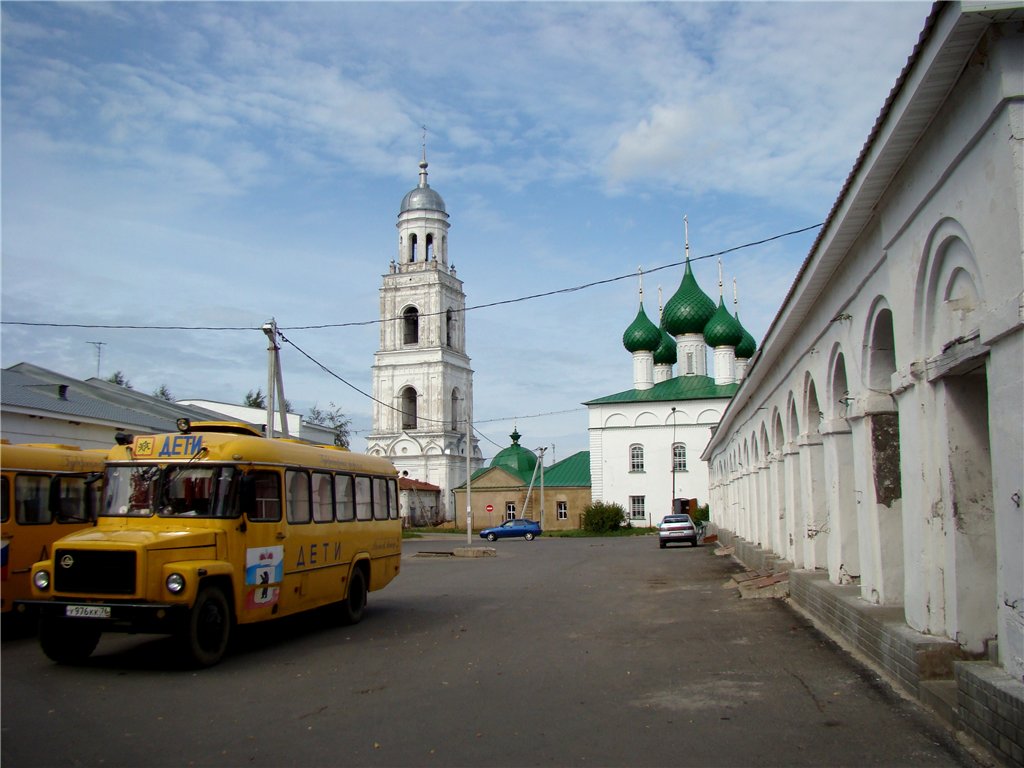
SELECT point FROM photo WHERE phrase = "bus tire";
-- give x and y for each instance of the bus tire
(354, 605)
(208, 630)
(67, 642)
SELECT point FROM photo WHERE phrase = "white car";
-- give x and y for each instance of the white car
(677, 528)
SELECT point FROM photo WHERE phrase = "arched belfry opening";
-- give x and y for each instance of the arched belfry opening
(409, 415)
(411, 326)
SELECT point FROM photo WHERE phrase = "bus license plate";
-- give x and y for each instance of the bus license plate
(88, 611)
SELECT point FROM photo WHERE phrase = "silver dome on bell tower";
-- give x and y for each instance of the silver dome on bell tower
(423, 197)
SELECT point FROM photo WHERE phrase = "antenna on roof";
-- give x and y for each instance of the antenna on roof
(99, 353)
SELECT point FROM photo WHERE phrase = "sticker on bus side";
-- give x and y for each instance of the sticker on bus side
(264, 565)
(261, 597)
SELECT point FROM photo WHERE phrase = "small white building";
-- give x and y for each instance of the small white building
(878, 436)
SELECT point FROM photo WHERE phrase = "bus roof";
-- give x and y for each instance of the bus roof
(52, 457)
(236, 443)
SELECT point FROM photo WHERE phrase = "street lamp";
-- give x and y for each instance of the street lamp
(673, 464)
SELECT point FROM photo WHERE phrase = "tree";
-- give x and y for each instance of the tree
(120, 379)
(258, 400)
(163, 393)
(333, 419)
(255, 399)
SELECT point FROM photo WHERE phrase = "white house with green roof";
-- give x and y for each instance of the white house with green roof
(646, 442)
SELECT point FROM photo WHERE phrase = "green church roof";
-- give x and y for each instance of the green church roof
(678, 388)
(747, 347)
(642, 334)
(689, 309)
(516, 459)
(722, 329)
(666, 353)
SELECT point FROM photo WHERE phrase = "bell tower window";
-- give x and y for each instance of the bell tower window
(408, 408)
(449, 328)
(455, 409)
(411, 326)
(430, 247)
(412, 248)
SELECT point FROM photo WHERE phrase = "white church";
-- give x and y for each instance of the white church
(422, 379)
(646, 442)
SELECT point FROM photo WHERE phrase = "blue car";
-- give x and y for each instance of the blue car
(527, 529)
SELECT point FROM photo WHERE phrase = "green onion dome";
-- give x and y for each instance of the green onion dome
(746, 348)
(722, 329)
(642, 334)
(665, 354)
(515, 458)
(689, 309)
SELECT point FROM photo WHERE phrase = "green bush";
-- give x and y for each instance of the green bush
(702, 514)
(602, 517)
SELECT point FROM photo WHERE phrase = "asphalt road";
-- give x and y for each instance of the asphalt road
(561, 652)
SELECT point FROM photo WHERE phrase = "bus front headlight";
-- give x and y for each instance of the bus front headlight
(175, 583)
(41, 579)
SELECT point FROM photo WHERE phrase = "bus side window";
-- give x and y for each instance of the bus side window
(380, 499)
(31, 500)
(298, 496)
(323, 502)
(364, 503)
(5, 502)
(393, 499)
(345, 509)
(261, 496)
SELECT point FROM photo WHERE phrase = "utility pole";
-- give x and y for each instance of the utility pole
(275, 380)
(99, 353)
(469, 471)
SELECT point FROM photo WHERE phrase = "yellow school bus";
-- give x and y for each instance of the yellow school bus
(48, 491)
(215, 526)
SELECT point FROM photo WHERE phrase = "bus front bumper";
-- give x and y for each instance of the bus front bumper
(155, 618)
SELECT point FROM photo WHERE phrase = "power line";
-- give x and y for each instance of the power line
(357, 323)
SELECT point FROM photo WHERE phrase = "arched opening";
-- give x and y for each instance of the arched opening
(449, 328)
(430, 247)
(679, 457)
(813, 481)
(794, 486)
(844, 540)
(886, 583)
(413, 243)
(783, 538)
(408, 408)
(411, 326)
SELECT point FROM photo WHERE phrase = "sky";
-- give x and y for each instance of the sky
(214, 165)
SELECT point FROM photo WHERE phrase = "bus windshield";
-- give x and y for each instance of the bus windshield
(170, 491)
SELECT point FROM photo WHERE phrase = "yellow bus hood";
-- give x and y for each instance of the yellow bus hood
(148, 539)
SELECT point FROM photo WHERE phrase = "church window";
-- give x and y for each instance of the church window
(563, 510)
(679, 457)
(408, 408)
(412, 248)
(689, 362)
(636, 458)
(637, 508)
(411, 326)
(455, 409)
(430, 247)
(510, 510)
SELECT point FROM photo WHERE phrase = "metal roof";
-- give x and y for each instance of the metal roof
(678, 388)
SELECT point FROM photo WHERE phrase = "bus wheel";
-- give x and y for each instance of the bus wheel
(353, 606)
(209, 628)
(67, 642)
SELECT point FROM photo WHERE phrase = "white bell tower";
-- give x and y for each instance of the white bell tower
(422, 380)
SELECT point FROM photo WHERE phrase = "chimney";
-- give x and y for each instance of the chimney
(62, 391)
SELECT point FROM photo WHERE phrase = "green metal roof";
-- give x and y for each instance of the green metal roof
(679, 388)
(689, 309)
(722, 329)
(573, 472)
(747, 347)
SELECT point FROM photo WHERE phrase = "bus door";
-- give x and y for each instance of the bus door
(262, 546)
